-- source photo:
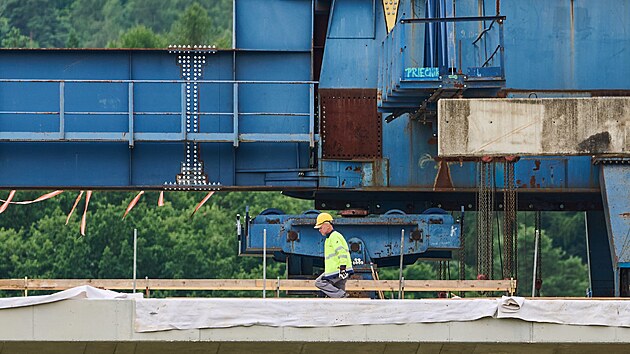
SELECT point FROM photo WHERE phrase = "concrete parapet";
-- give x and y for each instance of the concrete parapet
(107, 326)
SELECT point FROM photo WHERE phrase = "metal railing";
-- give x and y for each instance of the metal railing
(131, 135)
(457, 50)
(402, 54)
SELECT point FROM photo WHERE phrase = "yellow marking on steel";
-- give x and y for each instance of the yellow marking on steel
(390, 7)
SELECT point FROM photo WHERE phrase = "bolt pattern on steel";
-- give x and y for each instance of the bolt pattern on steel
(191, 61)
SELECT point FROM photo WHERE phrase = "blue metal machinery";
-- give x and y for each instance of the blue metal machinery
(372, 240)
(335, 101)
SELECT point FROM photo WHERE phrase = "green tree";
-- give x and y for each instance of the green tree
(420, 270)
(138, 37)
(193, 26)
(73, 40)
(171, 244)
(97, 22)
(567, 230)
(14, 39)
(35, 242)
(158, 15)
(220, 11)
(562, 274)
(41, 20)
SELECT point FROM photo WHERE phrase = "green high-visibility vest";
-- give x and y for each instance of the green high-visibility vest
(336, 254)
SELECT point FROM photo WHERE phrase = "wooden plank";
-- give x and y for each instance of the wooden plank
(257, 284)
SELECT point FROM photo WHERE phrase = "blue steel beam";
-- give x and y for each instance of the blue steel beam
(156, 110)
(263, 115)
(140, 100)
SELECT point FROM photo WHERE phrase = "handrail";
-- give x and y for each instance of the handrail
(452, 19)
(27, 284)
(131, 135)
(491, 56)
(252, 82)
(485, 30)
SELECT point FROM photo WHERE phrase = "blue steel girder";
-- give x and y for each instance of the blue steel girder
(142, 115)
(379, 235)
(415, 167)
(191, 118)
(67, 146)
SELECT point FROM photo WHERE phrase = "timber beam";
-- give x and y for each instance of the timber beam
(27, 284)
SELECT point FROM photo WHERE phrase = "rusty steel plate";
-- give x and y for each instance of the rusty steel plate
(350, 124)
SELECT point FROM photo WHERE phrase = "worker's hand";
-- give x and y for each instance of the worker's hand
(342, 272)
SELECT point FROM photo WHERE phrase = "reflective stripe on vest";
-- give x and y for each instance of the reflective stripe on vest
(336, 254)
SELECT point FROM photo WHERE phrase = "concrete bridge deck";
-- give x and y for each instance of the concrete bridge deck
(110, 326)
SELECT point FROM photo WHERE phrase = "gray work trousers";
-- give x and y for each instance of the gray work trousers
(335, 287)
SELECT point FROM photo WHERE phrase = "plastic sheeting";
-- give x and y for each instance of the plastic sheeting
(615, 313)
(197, 313)
(167, 314)
(79, 292)
(171, 314)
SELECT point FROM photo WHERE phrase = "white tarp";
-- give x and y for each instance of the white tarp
(167, 314)
(614, 313)
(196, 313)
(79, 292)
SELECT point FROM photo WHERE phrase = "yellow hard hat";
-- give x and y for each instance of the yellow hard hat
(322, 218)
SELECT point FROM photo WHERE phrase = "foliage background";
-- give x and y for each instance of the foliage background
(114, 23)
(36, 243)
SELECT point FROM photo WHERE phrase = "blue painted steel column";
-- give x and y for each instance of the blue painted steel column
(235, 114)
(402, 51)
(311, 115)
(502, 50)
(443, 35)
(614, 182)
(183, 115)
(130, 107)
(600, 264)
(62, 104)
(431, 34)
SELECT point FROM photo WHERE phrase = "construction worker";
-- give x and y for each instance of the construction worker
(337, 264)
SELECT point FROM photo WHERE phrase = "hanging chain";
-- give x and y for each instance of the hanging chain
(445, 270)
(537, 228)
(442, 270)
(515, 232)
(481, 207)
(490, 213)
(438, 270)
(509, 221)
(485, 206)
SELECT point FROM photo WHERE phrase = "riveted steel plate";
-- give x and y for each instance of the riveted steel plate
(350, 124)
